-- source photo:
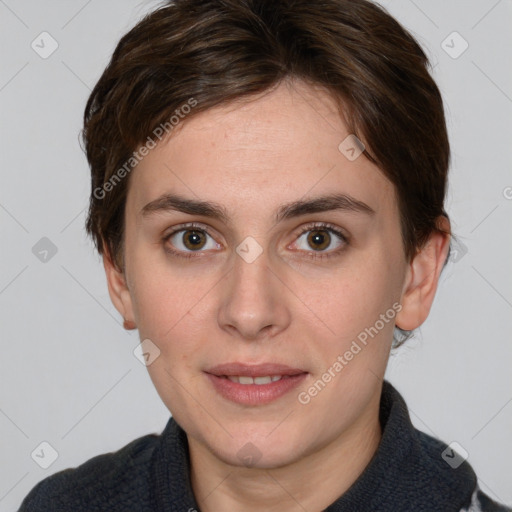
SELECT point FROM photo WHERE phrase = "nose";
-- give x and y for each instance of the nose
(254, 303)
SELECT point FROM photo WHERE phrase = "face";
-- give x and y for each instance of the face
(267, 279)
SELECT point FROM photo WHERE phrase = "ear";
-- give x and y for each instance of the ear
(118, 291)
(422, 277)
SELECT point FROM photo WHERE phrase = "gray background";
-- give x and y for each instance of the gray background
(68, 373)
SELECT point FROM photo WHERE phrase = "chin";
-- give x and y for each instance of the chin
(259, 450)
(260, 456)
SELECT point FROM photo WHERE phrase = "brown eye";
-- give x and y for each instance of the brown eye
(193, 239)
(319, 239)
(323, 239)
(188, 240)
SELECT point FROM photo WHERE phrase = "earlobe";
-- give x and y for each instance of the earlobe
(422, 277)
(129, 325)
(118, 291)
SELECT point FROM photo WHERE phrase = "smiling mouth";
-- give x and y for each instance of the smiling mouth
(254, 384)
(237, 369)
(244, 379)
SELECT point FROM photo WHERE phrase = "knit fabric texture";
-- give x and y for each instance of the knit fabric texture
(410, 471)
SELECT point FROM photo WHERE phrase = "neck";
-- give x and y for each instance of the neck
(311, 483)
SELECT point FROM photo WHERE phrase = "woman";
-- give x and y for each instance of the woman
(268, 184)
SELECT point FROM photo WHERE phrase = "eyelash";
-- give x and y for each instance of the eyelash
(319, 226)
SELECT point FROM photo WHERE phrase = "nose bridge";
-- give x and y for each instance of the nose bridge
(250, 270)
(252, 303)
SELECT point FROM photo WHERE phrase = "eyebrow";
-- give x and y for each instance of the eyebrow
(174, 202)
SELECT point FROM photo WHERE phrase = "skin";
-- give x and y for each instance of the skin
(285, 306)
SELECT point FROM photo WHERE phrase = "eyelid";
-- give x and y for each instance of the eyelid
(319, 225)
(300, 231)
(327, 226)
(320, 256)
(188, 226)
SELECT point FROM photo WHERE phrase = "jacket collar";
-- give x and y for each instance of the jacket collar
(406, 473)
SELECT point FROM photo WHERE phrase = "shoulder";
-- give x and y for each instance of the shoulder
(424, 470)
(112, 481)
(480, 502)
(453, 472)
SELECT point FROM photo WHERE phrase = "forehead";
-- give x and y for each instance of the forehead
(252, 156)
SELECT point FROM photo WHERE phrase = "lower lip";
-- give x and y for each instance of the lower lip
(255, 394)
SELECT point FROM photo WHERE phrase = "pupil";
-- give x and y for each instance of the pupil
(192, 239)
(319, 239)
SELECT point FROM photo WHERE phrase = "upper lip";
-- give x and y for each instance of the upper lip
(255, 370)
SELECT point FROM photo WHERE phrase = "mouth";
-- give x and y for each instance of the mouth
(254, 384)
(245, 380)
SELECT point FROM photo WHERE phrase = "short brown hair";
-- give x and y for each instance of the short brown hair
(216, 51)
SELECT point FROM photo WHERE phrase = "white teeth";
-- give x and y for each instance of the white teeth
(242, 379)
(262, 380)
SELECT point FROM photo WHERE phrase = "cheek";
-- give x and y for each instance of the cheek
(164, 312)
(159, 302)
(359, 304)
(355, 296)
(170, 308)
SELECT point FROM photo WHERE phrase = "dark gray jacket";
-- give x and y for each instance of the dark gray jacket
(410, 471)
